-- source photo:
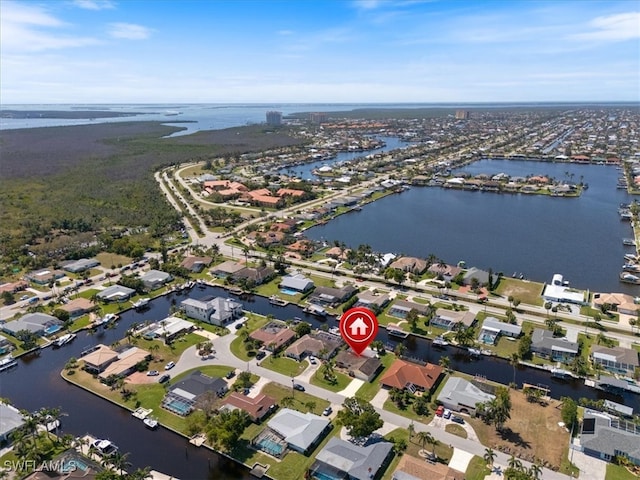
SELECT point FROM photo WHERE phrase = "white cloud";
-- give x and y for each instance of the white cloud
(618, 27)
(129, 31)
(28, 28)
(94, 4)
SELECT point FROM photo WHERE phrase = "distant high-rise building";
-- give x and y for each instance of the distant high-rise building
(318, 117)
(274, 118)
(462, 114)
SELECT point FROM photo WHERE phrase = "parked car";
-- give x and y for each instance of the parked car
(164, 378)
(231, 374)
(153, 373)
(457, 419)
(169, 365)
(24, 297)
(297, 386)
(327, 411)
(260, 355)
(446, 413)
(440, 411)
(312, 360)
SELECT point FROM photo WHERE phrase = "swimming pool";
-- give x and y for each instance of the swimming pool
(488, 338)
(180, 407)
(52, 329)
(270, 446)
(287, 291)
(325, 476)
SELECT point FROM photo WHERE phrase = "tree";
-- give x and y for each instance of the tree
(426, 437)
(302, 329)
(569, 411)
(514, 462)
(510, 300)
(359, 417)
(516, 302)
(411, 429)
(489, 456)
(399, 349)
(514, 360)
(547, 307)
(579, 365)
(524, 347)
(412, 318)
(445, 362)
(226, 427)
(535, 471)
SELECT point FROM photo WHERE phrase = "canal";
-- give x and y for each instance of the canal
(36, 383)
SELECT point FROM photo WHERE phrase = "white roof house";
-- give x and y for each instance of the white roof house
(155, 279)
(298, 282)
(494, 325)
(459, 394)
(115, 293)
(10, 420)
(300, 430)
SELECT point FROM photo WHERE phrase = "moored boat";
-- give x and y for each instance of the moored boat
(316, 310)
(397, 332)
(626, 277)
(8, 362)
(629, 242)
(150, 423)
(64, 339)
(275, 300)
(141, 304)
(440, 342)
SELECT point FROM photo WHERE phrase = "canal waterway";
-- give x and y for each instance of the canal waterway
(306, 171)
(536, 235)
(36, 383)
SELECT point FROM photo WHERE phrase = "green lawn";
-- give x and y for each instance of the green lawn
(301, 400)
(477, 469)
(284, 365)
(407, 412)
(455, 430)
(523, 290)
(369, 389)
(413, 447)
(616, 472)
(342, 381)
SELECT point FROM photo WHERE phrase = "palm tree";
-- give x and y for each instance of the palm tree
(445, 362)
(535, 471)
(514, 360)
(515, 463)
(547, 307)
(489, 456)
(411, 429)
(426, 437)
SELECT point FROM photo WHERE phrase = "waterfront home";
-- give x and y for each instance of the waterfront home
(559, 291)
(461, 395)
(196, 264)
(116, 293)
(256, 407)
(10, 420)
(301, 431)
(448, 319)
(332, 297)
(81, 265)
(226, 269)
(558, 349)
(359, 366)
(125, 363)
(411, 376)
(99, 359)
(620, 302)
(5, 345)
(338, 253)
(257, 275)
(216, 311)
(371, 300)
(481, 276)
(37, 323)
(615, 359)
(183, 395)
(411, 468)
(601, 439)
(342, 459)
(492, 328)
(78, 307)
(410, 265)
(44, 276)
(274, 335)
(320, 344)
(297, 283)
(400, 308)
(447, 272)
(154, 279)
(168, 329)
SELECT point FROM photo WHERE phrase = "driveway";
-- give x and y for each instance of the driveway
(441, 423)
(352, 388)
(591, 468)
(460, 460)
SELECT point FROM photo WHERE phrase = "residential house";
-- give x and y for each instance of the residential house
(558, 349)
(81, 265)
(226, 269)
(373, 301)
(196, 264)
(257, 407)
(411, 376)
(303, 247)
(332, 297)
(298, 283)
(620, 302)
(461, 395)
(154, 279)
(559, 291)
(492, 328)
(168, 329)
(602, 440)
(5, 345)
(447, 272)
(411, 468)
(274, 335)
(480, 275)
(315, 344)
(182, 396)
(125, 363)
(400, 308)
(342, 459)
(360, 366)
(615, 359)
(99, 359)
(337, 253)
(44, 277)
(266, 239)
(448, 319)
(301, 431)
(116, 293)
(410, 265)
(216, 311)
(13, 287)
(37, 323)
(257, 275)
(10, 420)
(78, 307)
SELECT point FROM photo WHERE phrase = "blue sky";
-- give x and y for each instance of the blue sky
(135, 51)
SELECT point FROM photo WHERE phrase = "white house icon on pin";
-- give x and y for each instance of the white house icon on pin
(358, 327)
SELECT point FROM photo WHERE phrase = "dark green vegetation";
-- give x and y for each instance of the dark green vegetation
(65, 184)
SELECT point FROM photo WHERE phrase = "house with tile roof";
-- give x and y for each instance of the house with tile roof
(274, 335)
(411, 376)
(257, 407)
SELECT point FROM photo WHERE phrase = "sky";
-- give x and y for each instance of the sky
(303, 51)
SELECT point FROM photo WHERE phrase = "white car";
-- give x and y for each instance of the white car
(312, 360)
(169, 365)
(447, 413)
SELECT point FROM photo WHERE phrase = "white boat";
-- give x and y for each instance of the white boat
(561, 373)
(7, 363)
(334, 331)
(275, 300)
(141, 303)
(104, 447)
(474, 352)
(439, 342)
(109, 317)
(629, 242)
(626, 277)
(201, 283)
(64, 339)
(315, 310)
(150, 423)
(397, 332)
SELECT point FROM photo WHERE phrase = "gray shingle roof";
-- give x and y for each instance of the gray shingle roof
(463, 393)
(299, 430)
(361, 463)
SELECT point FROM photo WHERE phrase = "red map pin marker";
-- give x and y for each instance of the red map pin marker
(358, 327)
